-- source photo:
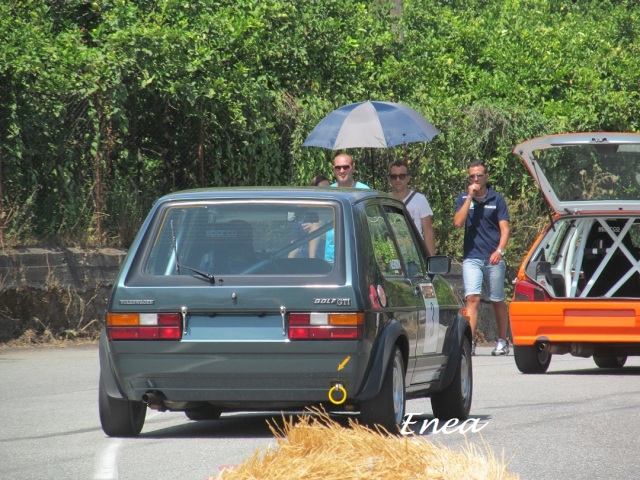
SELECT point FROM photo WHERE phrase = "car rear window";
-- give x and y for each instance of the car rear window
(592, 172)
(242, 238)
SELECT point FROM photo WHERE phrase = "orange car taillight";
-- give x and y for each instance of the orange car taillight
(326, 326)
(144, 326)
(528, 292)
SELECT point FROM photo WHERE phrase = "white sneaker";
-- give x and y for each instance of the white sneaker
(502, 348)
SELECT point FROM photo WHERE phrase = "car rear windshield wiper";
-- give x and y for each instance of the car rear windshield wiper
(206, 275)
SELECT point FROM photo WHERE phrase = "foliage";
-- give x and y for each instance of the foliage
(109, 104)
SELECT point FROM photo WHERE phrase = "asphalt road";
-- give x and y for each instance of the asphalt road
(575, 422)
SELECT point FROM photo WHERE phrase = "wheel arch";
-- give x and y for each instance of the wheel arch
(460, 329)
(393, 335)
(106, 372)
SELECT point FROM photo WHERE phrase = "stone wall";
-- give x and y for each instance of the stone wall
(56, 292)
(64, 292)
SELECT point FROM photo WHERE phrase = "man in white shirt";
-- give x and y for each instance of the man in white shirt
(416, 203)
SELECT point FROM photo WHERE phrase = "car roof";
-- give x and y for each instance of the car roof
(586, 172)
(348, 195)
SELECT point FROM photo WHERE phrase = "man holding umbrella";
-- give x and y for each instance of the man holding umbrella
(344, 169)
(370, 124)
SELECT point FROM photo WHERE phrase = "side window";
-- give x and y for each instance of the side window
(409, 253)
(634, 235)
(384, 248)
(552, 249)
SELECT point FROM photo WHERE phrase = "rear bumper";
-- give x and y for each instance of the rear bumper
(237, 374)
(597, 322)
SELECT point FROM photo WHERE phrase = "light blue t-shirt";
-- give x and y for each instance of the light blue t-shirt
(329, 248)
(355, 185)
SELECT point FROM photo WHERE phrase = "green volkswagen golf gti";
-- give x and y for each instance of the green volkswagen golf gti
(281, 299)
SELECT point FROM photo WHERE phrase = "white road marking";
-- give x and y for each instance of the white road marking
(106, 465)
(107, 462)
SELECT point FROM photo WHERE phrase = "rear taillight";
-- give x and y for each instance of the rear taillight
(326, 326)
(528, 292)
(144, 326)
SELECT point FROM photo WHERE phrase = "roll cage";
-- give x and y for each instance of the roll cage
(587, 257)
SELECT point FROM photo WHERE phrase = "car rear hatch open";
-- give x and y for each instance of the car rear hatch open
(586, 172)
(592, 181)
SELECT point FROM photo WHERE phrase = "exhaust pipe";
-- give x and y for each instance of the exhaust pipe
(155, 401)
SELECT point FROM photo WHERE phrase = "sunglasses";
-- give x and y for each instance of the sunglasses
(400, 176)
(341, 167)
(479, 176)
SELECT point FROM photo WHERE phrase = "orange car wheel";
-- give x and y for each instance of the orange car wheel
(531, 358)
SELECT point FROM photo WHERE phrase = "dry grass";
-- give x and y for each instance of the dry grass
(317, 448)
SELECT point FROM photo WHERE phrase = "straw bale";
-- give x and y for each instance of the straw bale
(315, 447)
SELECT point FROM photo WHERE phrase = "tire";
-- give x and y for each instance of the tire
(610, 361)
(388, 407)
(120, 418)
(203, 413)
(531, 358)
(455, 400)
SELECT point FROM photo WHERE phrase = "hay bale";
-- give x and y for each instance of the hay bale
(314, 447)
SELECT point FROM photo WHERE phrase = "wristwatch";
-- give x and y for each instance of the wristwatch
(500, 251)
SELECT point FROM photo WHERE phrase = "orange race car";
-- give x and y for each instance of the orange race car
(578, 288)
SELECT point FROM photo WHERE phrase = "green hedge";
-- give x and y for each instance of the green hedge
(107, 105)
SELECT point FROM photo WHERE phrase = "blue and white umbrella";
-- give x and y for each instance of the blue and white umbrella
(371, 125)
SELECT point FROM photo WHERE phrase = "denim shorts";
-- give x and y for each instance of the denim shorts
(475, 270)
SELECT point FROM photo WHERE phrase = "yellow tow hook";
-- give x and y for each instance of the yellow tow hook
(337, 389)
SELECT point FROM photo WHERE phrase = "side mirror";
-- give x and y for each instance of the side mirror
(412, 269)
(438, 265)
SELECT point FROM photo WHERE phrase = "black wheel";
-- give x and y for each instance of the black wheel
(610, 362)
(120, 418)
(387, 408)
(203, 413)
(455, 400)
(531, 358)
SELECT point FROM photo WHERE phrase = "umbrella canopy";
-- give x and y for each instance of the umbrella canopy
(371, 124)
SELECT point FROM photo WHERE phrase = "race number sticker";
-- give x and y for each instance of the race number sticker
(431, 328)
(382, 296)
